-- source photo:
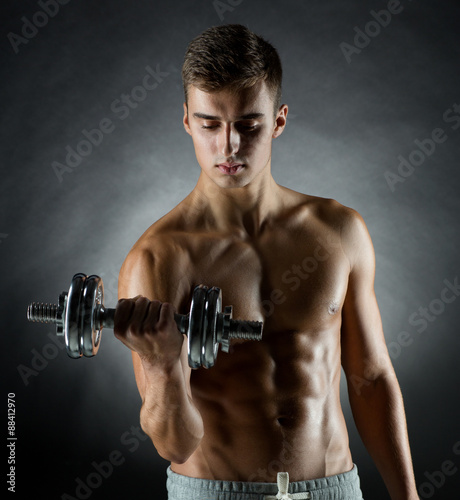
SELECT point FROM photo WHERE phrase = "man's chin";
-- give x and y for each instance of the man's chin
(223, 181)
(226, 178)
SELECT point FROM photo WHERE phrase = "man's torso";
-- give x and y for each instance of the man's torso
(271, 405)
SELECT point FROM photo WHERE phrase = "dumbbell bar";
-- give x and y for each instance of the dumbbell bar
(80, 316)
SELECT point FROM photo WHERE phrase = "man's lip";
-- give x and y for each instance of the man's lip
(229, 165)
(232, 169)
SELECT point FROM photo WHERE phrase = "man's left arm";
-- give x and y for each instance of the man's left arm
(375, 397)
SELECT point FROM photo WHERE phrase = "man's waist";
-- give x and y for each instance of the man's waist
(259, 460)
(347, 481)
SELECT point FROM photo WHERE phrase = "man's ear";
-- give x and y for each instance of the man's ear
(280, 121)
(185, 120)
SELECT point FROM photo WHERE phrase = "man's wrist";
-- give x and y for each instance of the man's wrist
(156, 371)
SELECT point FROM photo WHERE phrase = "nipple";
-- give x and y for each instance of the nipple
(333, 308)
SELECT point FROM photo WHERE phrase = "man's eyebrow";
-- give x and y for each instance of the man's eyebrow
(249, 116)
(206, 117)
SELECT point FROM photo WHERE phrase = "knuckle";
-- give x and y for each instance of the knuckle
(168, 307)
(123, 304)
(141, 301)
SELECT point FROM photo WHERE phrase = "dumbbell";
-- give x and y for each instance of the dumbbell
(80, 316)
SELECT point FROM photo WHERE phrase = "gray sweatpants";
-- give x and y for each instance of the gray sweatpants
(340, 487)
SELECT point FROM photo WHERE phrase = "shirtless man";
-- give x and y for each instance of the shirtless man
(304, 265)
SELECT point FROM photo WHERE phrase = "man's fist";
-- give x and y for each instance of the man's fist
(148, 328)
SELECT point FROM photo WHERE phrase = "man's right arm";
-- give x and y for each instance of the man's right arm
(145, 325)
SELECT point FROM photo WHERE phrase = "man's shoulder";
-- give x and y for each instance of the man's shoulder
(347, 221)
(339, 226)
(155, 243)
(325, 210)
(349, 227)
(153, 259)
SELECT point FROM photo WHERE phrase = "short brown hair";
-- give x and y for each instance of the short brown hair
(231, 57)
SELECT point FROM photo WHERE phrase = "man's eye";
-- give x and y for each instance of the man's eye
(247, 127)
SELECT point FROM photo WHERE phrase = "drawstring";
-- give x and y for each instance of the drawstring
(283, 486)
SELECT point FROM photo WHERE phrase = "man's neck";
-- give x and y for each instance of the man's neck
(243, 210)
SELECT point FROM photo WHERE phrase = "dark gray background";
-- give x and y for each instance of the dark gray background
(348, 123)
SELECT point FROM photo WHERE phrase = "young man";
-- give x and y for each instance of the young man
(304, 265)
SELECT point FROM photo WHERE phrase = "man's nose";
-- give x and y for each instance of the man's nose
(230, 141)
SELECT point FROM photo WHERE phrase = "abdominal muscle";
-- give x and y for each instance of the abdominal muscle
(268, 409)
(273, 405)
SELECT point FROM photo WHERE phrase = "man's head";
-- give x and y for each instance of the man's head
(232, 82)
(233, 58)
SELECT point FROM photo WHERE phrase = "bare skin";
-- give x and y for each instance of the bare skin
(305, 266)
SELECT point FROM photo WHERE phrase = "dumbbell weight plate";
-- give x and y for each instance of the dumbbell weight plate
(209, 344)
(93, 296)
(195, 325)
(72, 316)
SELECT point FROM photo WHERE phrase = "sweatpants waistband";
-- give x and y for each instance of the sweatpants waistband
(345, 486)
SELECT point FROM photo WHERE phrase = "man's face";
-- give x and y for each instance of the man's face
(232, 132)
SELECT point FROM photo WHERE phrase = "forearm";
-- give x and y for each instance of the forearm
(168, 414)
(379, 415)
